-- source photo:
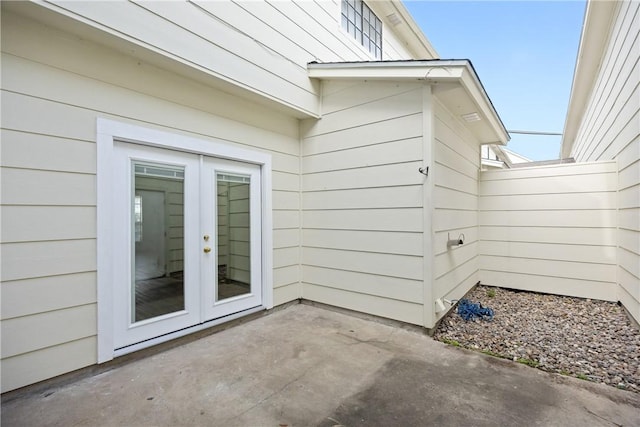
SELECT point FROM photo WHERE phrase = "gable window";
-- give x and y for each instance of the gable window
(359, 21)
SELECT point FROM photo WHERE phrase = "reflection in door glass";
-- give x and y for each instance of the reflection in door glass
(234, 263)
(158, 238)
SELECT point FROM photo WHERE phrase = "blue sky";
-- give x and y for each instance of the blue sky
(524, 53)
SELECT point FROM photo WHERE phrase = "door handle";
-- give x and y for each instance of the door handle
(207, 249)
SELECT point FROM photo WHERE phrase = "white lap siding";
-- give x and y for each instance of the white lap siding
(550, 229)
(54, 87)
(455, 206)
(610, 129)
(362, 200)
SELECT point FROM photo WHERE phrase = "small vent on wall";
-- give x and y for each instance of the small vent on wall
(394, 19)
(471, 117)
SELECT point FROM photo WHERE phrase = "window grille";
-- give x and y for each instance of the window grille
(363, 25)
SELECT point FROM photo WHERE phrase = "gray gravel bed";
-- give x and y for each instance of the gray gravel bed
(588, 339)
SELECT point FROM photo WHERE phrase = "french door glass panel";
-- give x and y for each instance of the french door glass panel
(188, 239)
(233, 215)
(157, 223)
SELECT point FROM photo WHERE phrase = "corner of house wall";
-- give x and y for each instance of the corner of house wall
(427, 207)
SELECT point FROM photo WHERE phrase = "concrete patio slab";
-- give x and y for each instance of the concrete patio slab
(308, 366)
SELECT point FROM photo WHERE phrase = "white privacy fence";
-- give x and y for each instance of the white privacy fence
(550, 229)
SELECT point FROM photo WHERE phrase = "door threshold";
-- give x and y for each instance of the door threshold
(186, 331)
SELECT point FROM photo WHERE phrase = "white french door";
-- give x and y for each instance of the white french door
(187, 238)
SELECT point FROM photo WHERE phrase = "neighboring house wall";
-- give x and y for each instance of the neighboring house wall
(362, 199)
(609, 128)
(55, 85)
(455, 206)
(550, 229)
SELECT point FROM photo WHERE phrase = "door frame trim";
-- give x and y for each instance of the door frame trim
(108, 132)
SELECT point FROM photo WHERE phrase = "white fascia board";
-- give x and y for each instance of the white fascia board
(493, 163)
(429, 71)
(389, 70)
(596, 28)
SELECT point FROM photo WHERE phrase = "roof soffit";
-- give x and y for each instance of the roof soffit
(453, 82)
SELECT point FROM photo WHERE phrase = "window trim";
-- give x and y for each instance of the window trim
(359, 21)
(108, 133)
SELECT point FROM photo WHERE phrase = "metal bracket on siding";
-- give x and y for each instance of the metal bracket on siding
(424, 171)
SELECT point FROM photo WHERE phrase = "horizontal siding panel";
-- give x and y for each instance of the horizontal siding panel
(445, 219)
(373, 155)
(550, 268)
(453, 258)
(452, 279)
(30, 40)
(605, 291)
(400, 266)
(545, 185)
(31, 296)
(39, 223)
(447, 156)
(35, 187)
(285, 219)
(629, 261)
(285, 257)
(30, 333)
(630, 175)
(449, 132)
(630, 151)
(69, 113)
(40, 259)
(286, 200)
(154, 31)
(550, 234)
(551, 172)
(47, 363)
(286, 238)
(400, 128)
(56, 120)
(380, 110)
(452, 179)
(283, 162)
(285, 181)
(285, 276)
(568, 201)
(577, 253)
(365, 241)
(629, 219)
(363, 283)
(631, 304)
(629, 197)
(370, 304)
(380, 197)
(310, 17)
(284, 294)
(342, 95)
(261, 30)
(410, 220)
(629, 283)
(629, 240)
(219, 34)
(32, 151)
(446, 198)
(605, 218)
(367, 177)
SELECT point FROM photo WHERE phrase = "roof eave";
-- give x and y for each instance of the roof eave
(428, 71)
(593, 40)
